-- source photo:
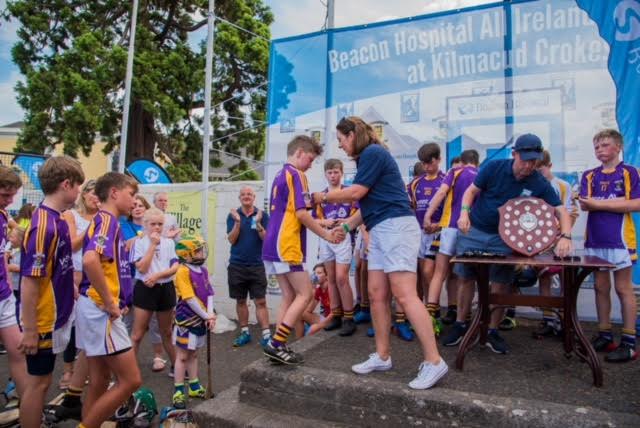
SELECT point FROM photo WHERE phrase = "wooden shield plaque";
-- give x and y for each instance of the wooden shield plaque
(528, 225)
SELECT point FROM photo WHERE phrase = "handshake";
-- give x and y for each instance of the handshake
(337, 233)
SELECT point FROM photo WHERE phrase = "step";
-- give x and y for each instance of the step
(226, 411)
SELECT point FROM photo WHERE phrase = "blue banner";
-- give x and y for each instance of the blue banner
(30, 165)
(148, 172)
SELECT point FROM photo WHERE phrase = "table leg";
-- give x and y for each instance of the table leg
(567, 330)
(482, 315)
(575, 280)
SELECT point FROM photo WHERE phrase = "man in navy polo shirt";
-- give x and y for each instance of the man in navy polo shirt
(246, 228)
(497, 182)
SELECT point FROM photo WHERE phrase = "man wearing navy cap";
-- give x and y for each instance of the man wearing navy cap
(497, 182)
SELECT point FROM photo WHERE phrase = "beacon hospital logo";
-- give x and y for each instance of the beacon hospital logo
(626, 17)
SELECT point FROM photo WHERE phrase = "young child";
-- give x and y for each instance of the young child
(320, 296)
(450, 193)
(284, 246)
(337, 257)
(16, 236)
(46, 286)
(106, 282)
(610, 193)
(421, 191)
(156, 263)
(194, 316)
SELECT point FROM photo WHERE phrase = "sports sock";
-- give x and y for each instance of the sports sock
(604, 330)
(337, 312)
(178, 387)
(452, 307)
(194, 384)
(244, 329)
(400, 317)
(434, 309)
(629, 337)
(348, 315)
(281, 336)
(266, 333)
(462, 324)
(72, 397)
(364, 307)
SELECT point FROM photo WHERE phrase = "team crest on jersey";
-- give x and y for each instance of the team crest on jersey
(101, 241)
(618, 186)
(342, 213)
(38, 261)
(428, 191)
(307, 199)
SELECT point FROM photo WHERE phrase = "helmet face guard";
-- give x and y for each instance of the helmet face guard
(192, 249)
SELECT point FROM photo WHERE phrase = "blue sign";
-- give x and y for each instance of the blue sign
(148, 172)
(30, 165)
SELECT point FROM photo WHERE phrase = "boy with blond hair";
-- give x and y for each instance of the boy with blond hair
(46, 287)
(610, 193)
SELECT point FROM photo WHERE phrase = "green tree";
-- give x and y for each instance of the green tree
(73, 55)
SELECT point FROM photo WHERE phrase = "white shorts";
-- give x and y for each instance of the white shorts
(8, 312)
(425, 245)
(394, 245)
(616, 256)
(340, 253)
(96, 334)
(279, 268)
(359, 247)
(448, 238)
(193, 341)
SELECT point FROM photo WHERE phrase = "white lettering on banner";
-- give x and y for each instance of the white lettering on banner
(575, 52)
(370, 53)
(548, 19)
(634, 56)
(492, 26)
(407, 41)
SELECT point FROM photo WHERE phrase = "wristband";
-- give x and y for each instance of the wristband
(346, 228)
(466, 208)
(565, 236)
(324, 198)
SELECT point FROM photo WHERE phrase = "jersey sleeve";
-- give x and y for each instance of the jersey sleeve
(103, 236)
(183, 283)
(230, 223)
(299, 190)
(36, 250)
(585, 184)
(265, 219)
(138, 250)
(482, 178)
(633, 183)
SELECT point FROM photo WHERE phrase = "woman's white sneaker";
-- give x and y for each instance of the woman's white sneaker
(429, 374)
(373, 364)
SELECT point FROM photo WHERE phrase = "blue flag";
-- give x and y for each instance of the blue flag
(30, 164)
(148, 172)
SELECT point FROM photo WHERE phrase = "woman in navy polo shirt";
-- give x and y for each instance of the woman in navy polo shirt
(394, 239)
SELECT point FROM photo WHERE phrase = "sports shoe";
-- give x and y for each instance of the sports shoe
(450, 317)
(371, 332)
(373, 364)
(496, 343)
(429, 374)
(507, 324)
(362, 317)
(198, 393)
(403, 330)
(623, 353)
(242, 339)
(455, 336)
(3, 350)
(57, 413)
(266, 339)
(603, 344)
(282, 354)
(179, 400)
(348, 328)
(336, 323)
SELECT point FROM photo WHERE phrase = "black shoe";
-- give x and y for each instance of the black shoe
(545, 330)
(56, 413)
(450, 317)
(3, 350)
(336, 323)
(455, 335)
(623, 353)
(282, 354)
(496, 343)
(603, 344)
(348, 328)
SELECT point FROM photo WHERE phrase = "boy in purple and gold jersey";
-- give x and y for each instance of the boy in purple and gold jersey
(450, 194)
(610, 193)
(283, 251)
(107, 281)
(421, 191)
(46, 288)
(336, 258)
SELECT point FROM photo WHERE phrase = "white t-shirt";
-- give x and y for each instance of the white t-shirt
(164, 257)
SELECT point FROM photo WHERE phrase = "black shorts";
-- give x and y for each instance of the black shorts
(42, 363)
(159, 298)
(245, 280)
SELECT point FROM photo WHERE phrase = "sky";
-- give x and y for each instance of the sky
(292, 17)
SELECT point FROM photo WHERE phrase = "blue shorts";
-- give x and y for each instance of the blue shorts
(477, 240)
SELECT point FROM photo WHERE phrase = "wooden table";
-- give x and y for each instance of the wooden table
(572, 275)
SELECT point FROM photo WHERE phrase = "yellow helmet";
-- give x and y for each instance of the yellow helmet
(188, 246)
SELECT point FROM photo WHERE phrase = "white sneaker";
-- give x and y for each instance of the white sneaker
(373, 364)
(429, 374)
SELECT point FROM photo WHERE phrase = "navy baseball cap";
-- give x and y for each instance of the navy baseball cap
(529, 146)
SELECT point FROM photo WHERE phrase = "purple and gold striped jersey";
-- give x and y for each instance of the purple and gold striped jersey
(286, 238)
(421, 190)
(5, 288)
(458, 179)
(335, 211)
(105, 238)
(606, 229)
(190, 284)
(46, 256)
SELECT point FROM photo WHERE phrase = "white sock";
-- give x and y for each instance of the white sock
(244, 329)
(266, 333)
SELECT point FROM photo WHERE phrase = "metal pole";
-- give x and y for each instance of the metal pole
(329, 82)
(127, 89)
(207, 119)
